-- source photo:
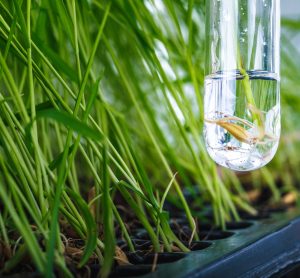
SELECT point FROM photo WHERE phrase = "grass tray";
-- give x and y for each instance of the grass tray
(265, 248)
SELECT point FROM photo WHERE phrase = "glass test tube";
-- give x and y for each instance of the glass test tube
(242, 97)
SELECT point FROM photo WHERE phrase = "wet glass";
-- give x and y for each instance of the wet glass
(242, 97)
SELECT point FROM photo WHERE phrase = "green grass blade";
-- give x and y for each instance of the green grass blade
(55, 59)
(70, 122)
(107, 212)
(91, 228)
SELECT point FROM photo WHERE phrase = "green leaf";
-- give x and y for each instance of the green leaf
(166, 192)
(92, 97)
(108, 223)
(293, 24)
(56, 60)
(67, 120)
(164, 216)
(38, 107)
(18, 5)
(70, 122)
(135, 190)
(91, 227)
(56, 161)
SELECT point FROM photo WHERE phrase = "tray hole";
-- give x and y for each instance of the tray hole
(215, 235)
(176, 223)
(238, 225)
(205, 226)
(131, 271)
(259, 216)
(164, 258)
(275, 209)
(144, 258)
(198, 245)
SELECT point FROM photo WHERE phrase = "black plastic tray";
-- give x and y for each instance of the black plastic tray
(265, 249)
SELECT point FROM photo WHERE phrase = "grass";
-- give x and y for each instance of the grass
(104, 99)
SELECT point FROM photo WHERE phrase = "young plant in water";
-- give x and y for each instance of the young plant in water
(242, 108)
